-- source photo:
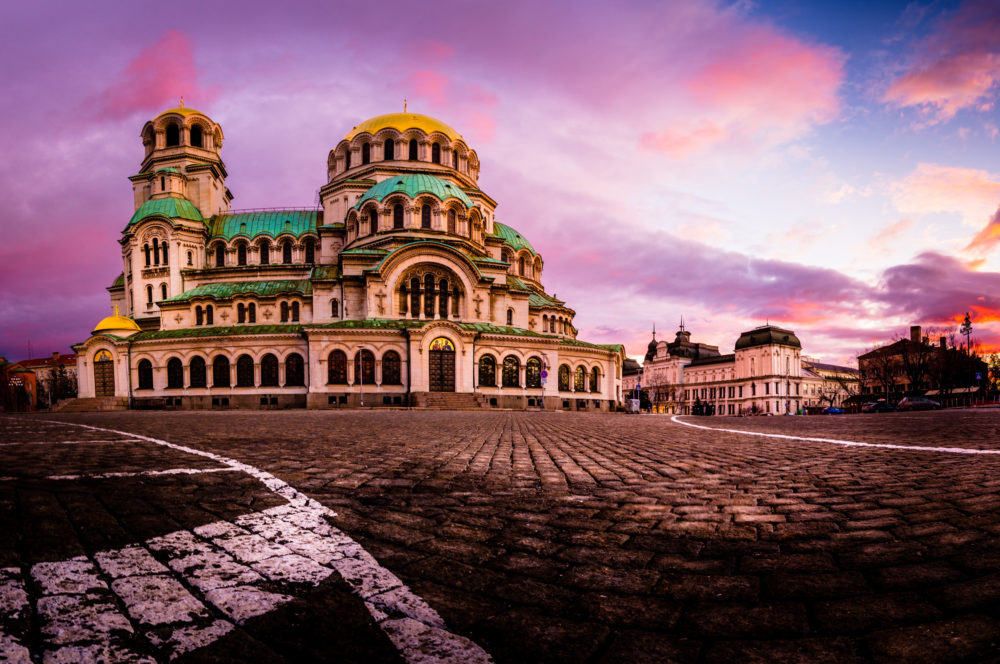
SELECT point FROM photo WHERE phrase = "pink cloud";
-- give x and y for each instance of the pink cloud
(937, 188)
(988, 237)
(764, 88)
(430, 85)
(890, 234)
(957, 66)
(156, 79)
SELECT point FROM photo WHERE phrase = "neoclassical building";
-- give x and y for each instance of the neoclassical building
(401, 288)
(766, 373)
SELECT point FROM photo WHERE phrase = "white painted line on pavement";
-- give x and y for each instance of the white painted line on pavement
(143, 473)
(835, 441)
(416, 629)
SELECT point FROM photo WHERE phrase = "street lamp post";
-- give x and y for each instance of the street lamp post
(966, 329)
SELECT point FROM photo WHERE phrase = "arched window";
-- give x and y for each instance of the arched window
(347, 159)
(545, 323)
(533, 373)
(149, 295)
(373, 220)
(436, 153)
(295, 311)
(284, 312)
(510, 316)
(196, 136)
(579, 379)
(391, 373)
(145, 248)
(145, 375)
(163, 291)
(364, 367)
(564, 378)
(163, 183)
(413, 149)
(520, 266)
(335, 308)
(286, 253)
(156, 251)
(310, 252)
(265, 253)
(452, 221)
(175, 374)
(295, 372)
(173, 135)
(594, 387)
(163, 251)
(220, 255)
(443, 298)
(241, 254)
(487, 371)
(244, 371)
(397, 216)
(389, 151)
(429, 296)
(336, 370)
(415, 297)
(251, 313)
(198, 372)
(199, 316)
(269, 371)
(209, 312)
(511, 371)
(454, 159)
(425, 216)
(366, 153)
(220, 371)
(753, 366)
(241, 313)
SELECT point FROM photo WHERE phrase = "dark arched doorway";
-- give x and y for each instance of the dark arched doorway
(104, 374)
(442, 365)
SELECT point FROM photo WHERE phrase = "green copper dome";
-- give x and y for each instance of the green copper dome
(511, 237)
(412, 185)
(172, 207)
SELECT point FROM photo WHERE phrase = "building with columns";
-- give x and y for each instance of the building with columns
(764, 374)
(400, 288)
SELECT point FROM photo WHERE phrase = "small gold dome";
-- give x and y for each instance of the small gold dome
(121, 326)
(401, 122)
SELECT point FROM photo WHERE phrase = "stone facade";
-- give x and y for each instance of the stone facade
(400, 284)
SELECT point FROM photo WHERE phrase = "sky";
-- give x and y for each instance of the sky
(830, 167)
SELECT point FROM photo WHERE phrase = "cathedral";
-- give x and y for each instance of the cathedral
(399, 289)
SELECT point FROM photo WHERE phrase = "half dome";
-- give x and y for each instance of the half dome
(401, 122)
(412, 185)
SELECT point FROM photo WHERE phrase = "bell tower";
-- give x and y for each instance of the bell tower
(182, 159)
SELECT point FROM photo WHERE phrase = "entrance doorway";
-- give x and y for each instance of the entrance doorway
(104, 375)
(442, 365)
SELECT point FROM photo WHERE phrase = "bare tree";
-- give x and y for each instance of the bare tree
(915, 357)
(879, 366)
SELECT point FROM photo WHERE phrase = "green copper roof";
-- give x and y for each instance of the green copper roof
(272, 223)
(537, 299)
(511, 237)
(412, 185)
(325, 272)
(489, 328)
(211, 331)
(169, 169)
(119, 281)
(369, 324)
(583, 344)
(364, 252)
(228, 289)
(172, 207)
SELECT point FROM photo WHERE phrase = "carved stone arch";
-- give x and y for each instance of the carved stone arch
(387, 132)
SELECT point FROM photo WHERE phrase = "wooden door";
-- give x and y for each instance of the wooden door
(442, 366)
(104, 375)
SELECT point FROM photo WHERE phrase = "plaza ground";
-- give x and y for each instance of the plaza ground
(533, 537)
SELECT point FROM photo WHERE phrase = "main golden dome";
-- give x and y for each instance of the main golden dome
(401, 122)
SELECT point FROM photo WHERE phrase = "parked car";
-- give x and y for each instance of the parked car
(831, 410)
(879, 406)
(917, 403)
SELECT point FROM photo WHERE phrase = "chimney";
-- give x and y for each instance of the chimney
(55, 356)
(915, 333)
(944, 343)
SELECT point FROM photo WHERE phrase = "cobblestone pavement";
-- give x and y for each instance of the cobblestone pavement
(548, 537)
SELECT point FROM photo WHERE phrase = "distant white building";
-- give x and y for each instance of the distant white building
(765, 374)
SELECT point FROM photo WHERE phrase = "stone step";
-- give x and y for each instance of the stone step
(83, 405)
